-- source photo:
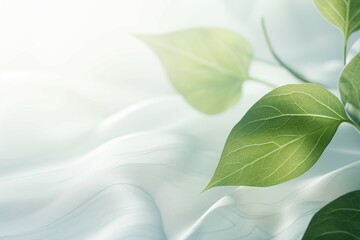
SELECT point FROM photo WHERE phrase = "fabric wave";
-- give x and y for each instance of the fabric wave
(138, 173)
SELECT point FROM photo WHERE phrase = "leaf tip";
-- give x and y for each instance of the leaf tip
(210, 185)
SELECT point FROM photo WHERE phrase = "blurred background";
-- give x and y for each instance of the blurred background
(71, 36)
(96, 144)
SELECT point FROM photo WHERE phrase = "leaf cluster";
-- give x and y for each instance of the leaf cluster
(286, 131)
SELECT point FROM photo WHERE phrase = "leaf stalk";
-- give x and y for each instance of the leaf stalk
(278, 59)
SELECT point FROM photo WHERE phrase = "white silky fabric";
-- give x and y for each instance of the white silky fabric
(96, 144)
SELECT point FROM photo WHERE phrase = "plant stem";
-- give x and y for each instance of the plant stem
(263, 82)
(278, 59)
(345, 50)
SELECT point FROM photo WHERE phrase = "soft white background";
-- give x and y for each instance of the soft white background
(96, 144)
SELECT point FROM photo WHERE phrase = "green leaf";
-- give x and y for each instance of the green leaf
(280, 137)
(350, 88)
(207, 66)
(340, 219)
(344, 14)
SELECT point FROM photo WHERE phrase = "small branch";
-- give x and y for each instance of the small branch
(345, 50)
(277, 58)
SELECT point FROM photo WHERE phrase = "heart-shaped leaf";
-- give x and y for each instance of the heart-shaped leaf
(280, 137)
(350, 88)
(207, 66)
(340, 219)
(344, 14)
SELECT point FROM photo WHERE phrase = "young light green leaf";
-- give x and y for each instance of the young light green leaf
(207, 66)
(350, 88)
(338, 220)
(280, 137)
(344, 14)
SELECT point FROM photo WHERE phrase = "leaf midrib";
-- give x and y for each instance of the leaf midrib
(310, 96)
(273, 151)
(347, 25)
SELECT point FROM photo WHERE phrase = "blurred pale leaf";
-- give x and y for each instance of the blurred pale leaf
(207, 66)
